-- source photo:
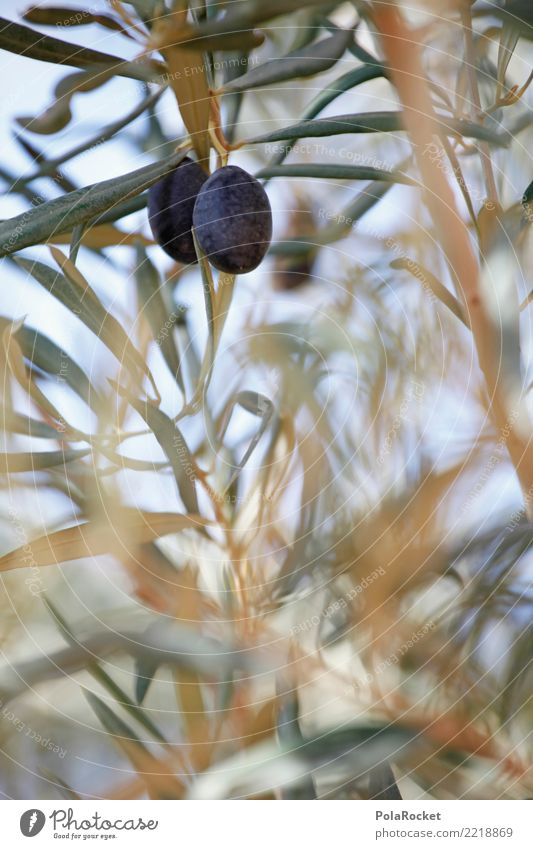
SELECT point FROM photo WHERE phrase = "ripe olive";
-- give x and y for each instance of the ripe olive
(233, 220)
(170, 209)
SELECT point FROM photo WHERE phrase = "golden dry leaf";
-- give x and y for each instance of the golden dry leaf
(129, 528)
(157, 774)
(103, 236)
(188, 79)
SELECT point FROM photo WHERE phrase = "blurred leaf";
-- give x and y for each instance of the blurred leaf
(25, 41)
(60, 215)
(194, 717)
(217, 303)
(243, 16)
(162, 784)
(66, 791)
(77, 296)
(382, 784)
(289, 732)
(258, 405)
(19, 423)
(59, 114)
(38, 460)
(145, 669)
(70, 17)
(518, 14)
(304, 62)
(96, 537)
(375, 122)
(39, 157)
(105, 680)
(355, 751)
(48, 357)
(242, 40)
(435, 286)
(17, 367)
(173, 444)
(152, 305)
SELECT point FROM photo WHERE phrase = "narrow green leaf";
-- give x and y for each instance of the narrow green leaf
(382, 784)
(59, 114)
(63, 16)
(28, 42)
(240, 40)
(26, 426)
(145, 669)
(48, 357)
(334, 172)
(243, 16)
(62, 214)
(335, 89)
(37, 461)
(304, 62)
(173, 444)
(87, 307)
(159, 316)
(289, 731)
(434, 285)
(376, 122)
(111, 722)
(350, 80)
(105, 680)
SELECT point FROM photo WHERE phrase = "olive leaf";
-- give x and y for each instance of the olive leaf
(187, 76)
(100, 675)
(304, 62)
(160, 318)
(47, 357)
(173, 444)
(242, 40)
(348, 81)
(36, 461)
(59, 114)
(258, 405)
(50, 166)
(26, 426)
(244, 16)
(440, 291)
(70, 17)
(60, 215)
(78, 297)
(334, 172)
(376, 122)
(25, 41)
(289, 731)
(156, 774)
(96, 537)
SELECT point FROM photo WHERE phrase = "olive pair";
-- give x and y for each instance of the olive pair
(229, 210)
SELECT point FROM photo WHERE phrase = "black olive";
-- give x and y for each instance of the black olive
(233, 220)
(170, 208)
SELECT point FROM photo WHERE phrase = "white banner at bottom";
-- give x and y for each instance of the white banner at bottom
(264, 825)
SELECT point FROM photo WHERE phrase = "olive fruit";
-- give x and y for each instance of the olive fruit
(170, 208)
(233, 220)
